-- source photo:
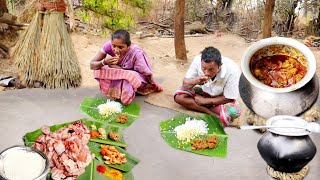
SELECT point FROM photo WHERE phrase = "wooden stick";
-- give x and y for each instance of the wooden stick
(3, 53)
(18, 28)
(209, 30)
(188, 35)
(2, 46)
(157, 24)
(71, 15)
(146, 35)
(12, 23)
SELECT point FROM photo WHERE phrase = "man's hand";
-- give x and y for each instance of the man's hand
(189, 83)
(201, 80)
(201, 100)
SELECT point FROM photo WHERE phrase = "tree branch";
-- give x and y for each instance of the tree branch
(12, 23)
(157, 24)
(4, 50)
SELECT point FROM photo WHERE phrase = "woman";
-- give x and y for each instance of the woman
(123, 69)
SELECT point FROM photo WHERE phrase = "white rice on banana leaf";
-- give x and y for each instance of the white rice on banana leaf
(109, 108)
(191, 129)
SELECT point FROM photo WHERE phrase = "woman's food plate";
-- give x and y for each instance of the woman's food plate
(110, 111)
(201, 135)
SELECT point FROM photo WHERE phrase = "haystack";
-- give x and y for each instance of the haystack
(52, 59)
(26, 53)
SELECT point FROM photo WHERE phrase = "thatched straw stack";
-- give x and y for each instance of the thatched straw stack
(58, 61)
(28, 12)
(47, 55)
(26, 53)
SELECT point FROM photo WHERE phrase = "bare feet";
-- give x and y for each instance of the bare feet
(188, 102)
(201, 100)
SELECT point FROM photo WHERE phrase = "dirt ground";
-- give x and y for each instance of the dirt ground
(168, 71)
(159, 50)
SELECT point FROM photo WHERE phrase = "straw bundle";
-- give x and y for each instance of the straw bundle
(28, 12)
(58, 62)
(26, 53)
(47, 55)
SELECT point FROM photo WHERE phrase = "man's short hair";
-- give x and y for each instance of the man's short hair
(211, 54)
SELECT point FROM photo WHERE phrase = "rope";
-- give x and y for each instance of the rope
(55, 5)
(288, 176)
(51, 12)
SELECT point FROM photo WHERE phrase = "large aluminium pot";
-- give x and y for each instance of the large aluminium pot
(267, 101)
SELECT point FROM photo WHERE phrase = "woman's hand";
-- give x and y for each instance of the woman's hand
(115, 66)
(111, 61)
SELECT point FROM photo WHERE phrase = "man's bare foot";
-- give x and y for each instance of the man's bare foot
(200, 100)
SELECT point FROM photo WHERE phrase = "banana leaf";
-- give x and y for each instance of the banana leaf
(92, 174)
(94, 147)
(214, 128)
(30, 138)
(89, 106)
(108, 129)
(131, 160)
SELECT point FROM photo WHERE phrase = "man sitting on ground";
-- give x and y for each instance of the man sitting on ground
(211, 86)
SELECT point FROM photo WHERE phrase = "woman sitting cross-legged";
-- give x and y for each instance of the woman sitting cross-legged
(123, 69)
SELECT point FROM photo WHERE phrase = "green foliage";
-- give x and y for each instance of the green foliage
(121, 21)
(142, 4)
(84, 16)
(116, 14)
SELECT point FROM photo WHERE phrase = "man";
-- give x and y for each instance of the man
(211, 86)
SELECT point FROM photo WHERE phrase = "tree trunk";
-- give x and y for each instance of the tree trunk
(179, 43)
(3, 7)
(267, 24)
(317, 24)
(291, 17)
(305, 9)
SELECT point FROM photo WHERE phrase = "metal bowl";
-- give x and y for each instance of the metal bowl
(12, 149)
(267, 104)
(278, 46)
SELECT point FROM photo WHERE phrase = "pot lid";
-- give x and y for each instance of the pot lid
(288, 121)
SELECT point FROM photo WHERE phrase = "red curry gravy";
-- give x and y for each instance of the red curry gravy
(278, 71)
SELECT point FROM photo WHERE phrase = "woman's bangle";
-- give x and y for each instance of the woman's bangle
(102, 62)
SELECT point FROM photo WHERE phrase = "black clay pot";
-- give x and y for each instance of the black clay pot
(286, 153)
